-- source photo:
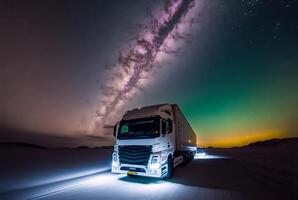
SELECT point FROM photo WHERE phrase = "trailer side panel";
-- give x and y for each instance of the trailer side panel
(185, 136)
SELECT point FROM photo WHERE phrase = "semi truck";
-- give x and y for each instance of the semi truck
(152, 141)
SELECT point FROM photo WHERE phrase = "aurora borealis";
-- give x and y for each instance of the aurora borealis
(234, 74)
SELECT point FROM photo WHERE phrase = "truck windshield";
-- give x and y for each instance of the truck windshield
(139, 128)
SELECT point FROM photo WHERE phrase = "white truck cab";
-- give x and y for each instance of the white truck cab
(152, 140)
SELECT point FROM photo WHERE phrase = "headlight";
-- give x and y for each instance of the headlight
(114, 164)
(115, 158)
(154, 163)
(154, 160)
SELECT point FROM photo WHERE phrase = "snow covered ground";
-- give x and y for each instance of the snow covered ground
(36, 173)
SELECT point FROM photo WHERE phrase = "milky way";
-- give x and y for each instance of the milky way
(132, 67)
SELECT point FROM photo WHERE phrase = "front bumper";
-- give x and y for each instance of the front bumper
(139, 170)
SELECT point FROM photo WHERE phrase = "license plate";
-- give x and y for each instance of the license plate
(131, 173)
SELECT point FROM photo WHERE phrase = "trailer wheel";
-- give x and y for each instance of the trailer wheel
(186, 158)
(170, 164)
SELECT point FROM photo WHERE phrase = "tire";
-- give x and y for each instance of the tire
(184, 161)
(170, 164)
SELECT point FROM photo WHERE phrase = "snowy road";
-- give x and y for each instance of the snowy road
(117, 187)
(222, 178)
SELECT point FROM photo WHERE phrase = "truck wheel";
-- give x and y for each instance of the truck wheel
(170, 164)
(185, 159)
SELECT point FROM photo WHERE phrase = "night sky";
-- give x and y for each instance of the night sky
(234, 74)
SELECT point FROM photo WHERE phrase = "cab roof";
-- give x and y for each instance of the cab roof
(147, 111)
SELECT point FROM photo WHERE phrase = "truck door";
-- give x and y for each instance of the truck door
(167, 135)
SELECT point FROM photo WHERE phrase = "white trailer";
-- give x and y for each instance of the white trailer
(152, 141)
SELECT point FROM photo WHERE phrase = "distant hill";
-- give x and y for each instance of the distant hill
(273, 142)
(20, 144)
(53, 140)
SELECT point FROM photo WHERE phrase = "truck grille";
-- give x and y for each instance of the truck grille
(135, 154)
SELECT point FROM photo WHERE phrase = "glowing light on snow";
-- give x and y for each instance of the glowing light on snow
(203, 155)
(68, 176)
(158, 38)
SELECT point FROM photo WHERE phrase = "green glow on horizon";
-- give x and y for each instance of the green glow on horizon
(235, 117)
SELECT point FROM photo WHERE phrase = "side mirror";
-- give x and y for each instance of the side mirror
(115, 129)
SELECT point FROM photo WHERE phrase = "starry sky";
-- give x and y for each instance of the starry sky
(234, 76)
